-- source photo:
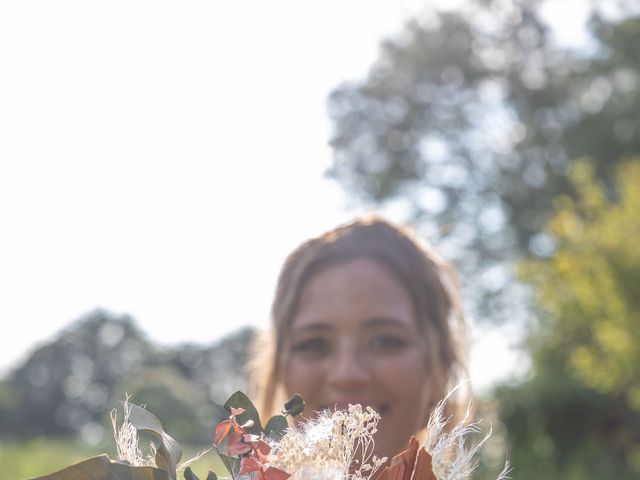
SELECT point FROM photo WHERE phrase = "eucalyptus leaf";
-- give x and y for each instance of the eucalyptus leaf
(102, 468)
(143, 419)
(276, 427)
(168, 452)
(240, 400)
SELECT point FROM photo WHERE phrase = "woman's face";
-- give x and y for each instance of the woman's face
(355, 339)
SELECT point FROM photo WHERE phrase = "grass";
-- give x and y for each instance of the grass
(24, 459)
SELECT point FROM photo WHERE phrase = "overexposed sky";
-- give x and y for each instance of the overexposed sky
(161, 158)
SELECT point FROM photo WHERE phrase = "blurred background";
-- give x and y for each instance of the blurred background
(158, 160)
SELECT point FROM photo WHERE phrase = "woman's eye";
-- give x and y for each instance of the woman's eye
(387, 343)
(311, 346)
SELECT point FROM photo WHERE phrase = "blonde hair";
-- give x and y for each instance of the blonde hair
(430, 281)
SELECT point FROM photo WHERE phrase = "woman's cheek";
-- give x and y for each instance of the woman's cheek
(304, 378)
(399, 373)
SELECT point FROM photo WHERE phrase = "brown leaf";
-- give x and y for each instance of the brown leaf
(423, 469)
(102, 468)
(412, 464)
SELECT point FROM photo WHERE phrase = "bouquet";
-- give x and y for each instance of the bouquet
(333, 446)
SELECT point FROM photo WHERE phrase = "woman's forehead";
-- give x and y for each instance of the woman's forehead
(361, 276)
(361, 288)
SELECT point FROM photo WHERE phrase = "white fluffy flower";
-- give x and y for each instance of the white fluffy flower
(334, 446)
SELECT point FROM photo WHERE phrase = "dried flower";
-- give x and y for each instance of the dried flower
(451, 459)
(128, 445)
(126, 439)
(334, 446)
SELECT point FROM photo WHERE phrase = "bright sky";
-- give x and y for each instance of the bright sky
(161, 158)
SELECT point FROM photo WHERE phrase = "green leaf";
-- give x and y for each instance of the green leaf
(102, 468)
(276, 427)
(294, 406)
(189, 475)
(240, 400)
(226, 462)
(169, 451)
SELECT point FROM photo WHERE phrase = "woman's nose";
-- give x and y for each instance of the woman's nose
(349, 369)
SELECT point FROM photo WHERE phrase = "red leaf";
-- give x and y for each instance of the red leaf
(273, 473)
(222, 430)
(237, 411)
(263, 448)
(248, 465)
(236, 446)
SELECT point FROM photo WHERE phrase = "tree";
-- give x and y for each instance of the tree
(478, 124)
(471, 119)
(590, 285)
(67, 382)
(578, 417)
(70, 384)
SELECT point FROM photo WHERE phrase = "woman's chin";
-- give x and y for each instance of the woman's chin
(385, 443)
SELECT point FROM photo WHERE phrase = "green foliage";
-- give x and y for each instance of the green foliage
(188, 412)
(240, 400)
(295, 405)
(471, 118)
(39, 455)
(589, 286)
(558, 428)
(578, 417)
(275, 426)
(66, 383)
(72, 381)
